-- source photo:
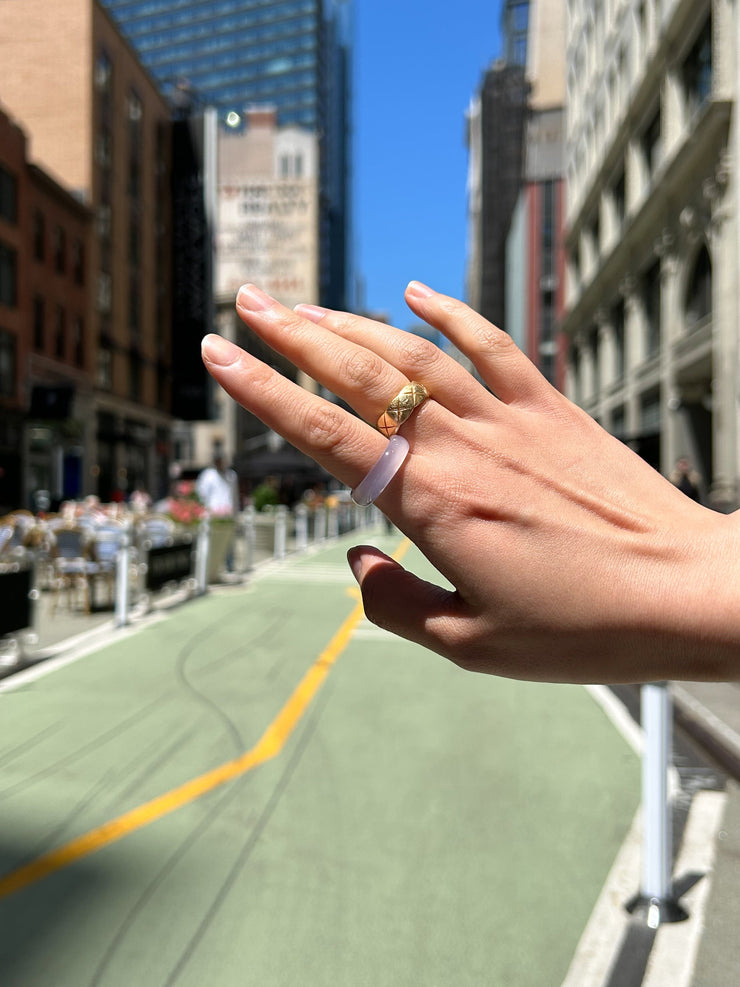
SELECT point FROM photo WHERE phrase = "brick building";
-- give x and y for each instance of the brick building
(99, 127)
(45, 357)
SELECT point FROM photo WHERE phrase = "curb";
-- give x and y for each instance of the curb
(720, 741)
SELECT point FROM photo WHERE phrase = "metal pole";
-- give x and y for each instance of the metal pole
(319, 523)
(122, 568)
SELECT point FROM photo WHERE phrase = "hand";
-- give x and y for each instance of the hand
(571, 558)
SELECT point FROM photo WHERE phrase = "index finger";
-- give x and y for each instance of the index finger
(340, 442)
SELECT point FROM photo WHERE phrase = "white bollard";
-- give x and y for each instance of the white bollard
(657, 850)
(122, 572)
(202, 547)
(332, 522)
(301, 528)
(319, 524)
(281, 529)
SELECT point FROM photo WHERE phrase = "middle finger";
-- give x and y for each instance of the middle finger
(359, 376)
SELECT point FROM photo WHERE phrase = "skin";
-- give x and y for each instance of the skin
(572, 559)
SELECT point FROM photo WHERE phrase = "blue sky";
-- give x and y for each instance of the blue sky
(416, 67)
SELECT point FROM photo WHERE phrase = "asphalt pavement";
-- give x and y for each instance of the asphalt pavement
(203, 797)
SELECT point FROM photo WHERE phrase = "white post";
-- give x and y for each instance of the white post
(122, 568)
(301, 528)
(319, 523)
(333, 522)
(202, 546)
(281, 525)
(250, 535)
(657, 842)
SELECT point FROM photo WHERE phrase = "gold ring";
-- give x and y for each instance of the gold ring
(403, 404)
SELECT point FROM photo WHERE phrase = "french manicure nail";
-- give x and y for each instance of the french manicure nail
(418, 290)
(314, 313)
(219, 351)
(253, 299)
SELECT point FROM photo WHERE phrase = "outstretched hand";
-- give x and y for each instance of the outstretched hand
(571, 558)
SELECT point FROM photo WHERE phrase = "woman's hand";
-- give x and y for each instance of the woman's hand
(571, 558)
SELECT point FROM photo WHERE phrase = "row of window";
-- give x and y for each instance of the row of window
(136, 366)
(697, 308)
(8, 196)
(250, 41)
(695, 73)
(67, 257)
(59, 325)
(166, 19)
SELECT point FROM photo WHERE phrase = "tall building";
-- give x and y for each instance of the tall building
(535, 258)
(97, 125)
(653, 309)
(291, 54)
(494, 134)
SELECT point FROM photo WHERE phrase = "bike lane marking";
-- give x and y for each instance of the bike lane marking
(268, 746)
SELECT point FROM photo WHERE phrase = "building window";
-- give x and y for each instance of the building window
(39, 323)
(650, 144)
(8, 276)
(619, 198)
(59, 247)
(78, 262)
(7, 364)
(593, 348)
(104, 292)
(135, 375)
(697, 71)
(60, 332)
(699, 291)
(78, 341)
(651, 307)
(618, 335)
(8, 196)
(104, 370)
(39, 236)
(548, 228)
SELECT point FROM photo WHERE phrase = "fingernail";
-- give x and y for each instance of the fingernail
(418, 290)
(219, 351)
(253, 299)
(314, 313)
(354, 557)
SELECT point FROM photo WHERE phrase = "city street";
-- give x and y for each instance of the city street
(260, 787)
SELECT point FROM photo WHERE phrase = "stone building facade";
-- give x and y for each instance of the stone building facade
(652, 306)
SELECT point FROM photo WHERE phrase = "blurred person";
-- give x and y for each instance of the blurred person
(571, 559)
(217, 487)
(686, 479)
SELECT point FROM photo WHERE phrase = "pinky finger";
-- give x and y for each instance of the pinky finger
(341, 443)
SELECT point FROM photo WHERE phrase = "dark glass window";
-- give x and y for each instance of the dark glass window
(39, 323)
(39, 236)
(78, 261)
(8, 276)
(60, 250)
(60, 332)
(699, 292)
(8, 196)
(697, 70)
(651, 305)
(618, 330)
(651, 143)
(619, 200)
(78, 341)
(7, 364)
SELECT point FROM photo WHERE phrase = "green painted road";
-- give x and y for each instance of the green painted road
(261, 788)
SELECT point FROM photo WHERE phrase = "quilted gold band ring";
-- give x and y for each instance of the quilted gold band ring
(401, 407)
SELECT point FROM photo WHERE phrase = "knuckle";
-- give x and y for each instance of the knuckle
(489, 339)
(322, 427)
(418, 353)
(360, 367)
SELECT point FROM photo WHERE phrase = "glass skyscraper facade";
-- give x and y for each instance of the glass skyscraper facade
(290, 54)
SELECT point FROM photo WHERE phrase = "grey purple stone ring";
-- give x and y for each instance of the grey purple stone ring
(369, 489)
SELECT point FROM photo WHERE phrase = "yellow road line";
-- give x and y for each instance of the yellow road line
(267, 747)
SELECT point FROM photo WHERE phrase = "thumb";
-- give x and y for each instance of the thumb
(400, 602)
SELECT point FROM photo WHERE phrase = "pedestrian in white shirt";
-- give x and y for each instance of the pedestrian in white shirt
(218, 489)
